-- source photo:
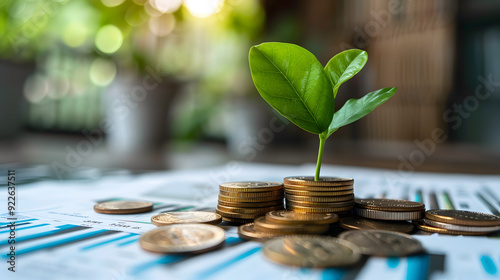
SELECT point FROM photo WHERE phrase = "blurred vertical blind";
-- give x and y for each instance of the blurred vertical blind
(411, 45)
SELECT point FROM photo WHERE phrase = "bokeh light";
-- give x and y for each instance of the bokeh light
(112, 3)
(36, 88)
(203, 8)
(166, 6)
(75, 33)
(108, 39)
(102, 71)
(162, 25)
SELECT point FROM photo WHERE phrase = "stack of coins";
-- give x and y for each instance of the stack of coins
(242, 202)
(277, 223)
(327, 195)
(459, 222)
(389, 209)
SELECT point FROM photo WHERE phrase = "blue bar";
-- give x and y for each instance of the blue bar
(165, 260)
(392, 262)
(108, 241)
(218, 268)
(17, 222)
(128, 242)
(18, 229)
(418, 267)
(37, 235)
(333, 273)
(489, 265)
(59, 242)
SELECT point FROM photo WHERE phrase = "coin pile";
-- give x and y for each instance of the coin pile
(242, 202)
(360, 223)
(458, 222)
(327, 195)
(389, 209)
(278, 223)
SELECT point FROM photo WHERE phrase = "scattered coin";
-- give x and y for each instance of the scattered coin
(186, 217)
(388, 215)
(123, 207)
(323, 181)
(460, 227)
(312, 251)
(461, 217)
(289, 217)
(248, 232)
(183, 238)
(389, 204)
(383, 243)
(251, 186)
(357, 223)
(425, 227)
(261, 224)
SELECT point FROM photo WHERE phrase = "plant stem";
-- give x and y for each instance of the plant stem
(322, 139)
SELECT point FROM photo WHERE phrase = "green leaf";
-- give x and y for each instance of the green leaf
(344, 66)
(294, 83)
(355, 109)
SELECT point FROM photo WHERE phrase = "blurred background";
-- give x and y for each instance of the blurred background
(165, 84)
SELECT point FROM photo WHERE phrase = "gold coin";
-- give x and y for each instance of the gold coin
(238, 215)
(389, 204)
(186, 217)
(308, 193)
(123, 207)
(236, 220)
(356, 223)
(318, 188)
(311, 251)
(325, 205)
(248, 232)
(251, 204)
(318, 209)
(250, 199)
(323, 181)
(465, 218)
(251, 186)
(183, 238)
(319, 199)
(460, 227)
(252, 194)
(388, 215)
(383, 243)
(248, 210)
(421, 225)
(288, 217)
(261, 224)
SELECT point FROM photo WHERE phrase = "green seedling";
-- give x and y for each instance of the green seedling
(295, 84)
